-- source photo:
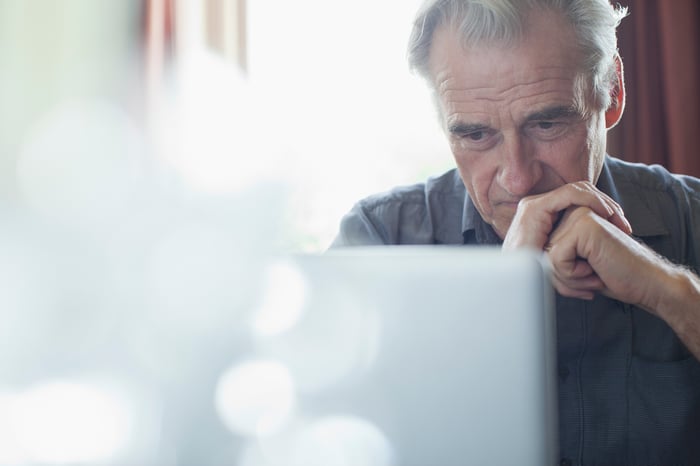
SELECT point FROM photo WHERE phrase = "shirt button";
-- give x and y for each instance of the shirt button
(565, 462)
(563, 373)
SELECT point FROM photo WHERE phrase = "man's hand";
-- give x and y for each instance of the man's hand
(586, 238)
(538, 215)
(588, 254)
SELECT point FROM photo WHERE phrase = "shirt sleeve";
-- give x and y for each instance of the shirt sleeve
(407, 215)
(357, 229)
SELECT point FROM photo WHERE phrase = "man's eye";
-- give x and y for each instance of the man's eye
(548, 129)
(476, 138)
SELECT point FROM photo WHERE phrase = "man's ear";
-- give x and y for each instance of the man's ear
(617, 96)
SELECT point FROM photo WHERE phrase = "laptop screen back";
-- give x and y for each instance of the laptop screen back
(418, 356)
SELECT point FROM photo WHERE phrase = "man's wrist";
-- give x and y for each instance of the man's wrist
(679, 299)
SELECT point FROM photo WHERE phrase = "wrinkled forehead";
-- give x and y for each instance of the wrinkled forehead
(546, 55)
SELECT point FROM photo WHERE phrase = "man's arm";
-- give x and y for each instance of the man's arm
(591, 251)
(625, 270)
(679, 306)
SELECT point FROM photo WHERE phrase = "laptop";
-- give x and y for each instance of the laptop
(419, 355)
(382, 356)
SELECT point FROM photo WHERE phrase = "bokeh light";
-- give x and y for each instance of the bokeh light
(81, 163)
(285, 294)
(338, 440)
(70, 422)
(343, 441)
(211, 131)
(256, 398)
(337, 337)
(10, 450)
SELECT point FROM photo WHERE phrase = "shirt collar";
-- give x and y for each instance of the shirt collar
(474, 229)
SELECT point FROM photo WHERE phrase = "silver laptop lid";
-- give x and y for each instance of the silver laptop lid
(416, 356)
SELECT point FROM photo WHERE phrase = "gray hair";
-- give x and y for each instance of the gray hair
(594, 21)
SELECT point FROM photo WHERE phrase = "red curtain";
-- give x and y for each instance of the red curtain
(660, 47)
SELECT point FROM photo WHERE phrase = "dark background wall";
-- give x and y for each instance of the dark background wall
(660, 46)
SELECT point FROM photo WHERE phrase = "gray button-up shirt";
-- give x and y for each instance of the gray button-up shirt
(629, 390)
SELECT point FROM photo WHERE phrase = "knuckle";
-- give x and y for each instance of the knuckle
(526, 203)
(581, 186)
(579, 214)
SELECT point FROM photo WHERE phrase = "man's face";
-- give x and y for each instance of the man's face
(511, 117)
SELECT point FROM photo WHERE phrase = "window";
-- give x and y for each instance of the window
(319, 99)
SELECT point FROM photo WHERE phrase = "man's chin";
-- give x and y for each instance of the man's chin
(501, 223)
(501, 228)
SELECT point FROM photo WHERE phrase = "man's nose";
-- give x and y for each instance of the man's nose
(520, 170)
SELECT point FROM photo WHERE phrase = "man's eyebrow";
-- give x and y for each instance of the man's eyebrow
(554, 113)
(466, 128)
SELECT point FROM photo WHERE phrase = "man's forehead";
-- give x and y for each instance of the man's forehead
(539, 71)
(546, 82)
(500, 85)
(548, 39)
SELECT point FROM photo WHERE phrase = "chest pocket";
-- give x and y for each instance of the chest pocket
(664, 395)
(653, 340)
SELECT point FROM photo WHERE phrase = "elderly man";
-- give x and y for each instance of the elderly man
(526, 91)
